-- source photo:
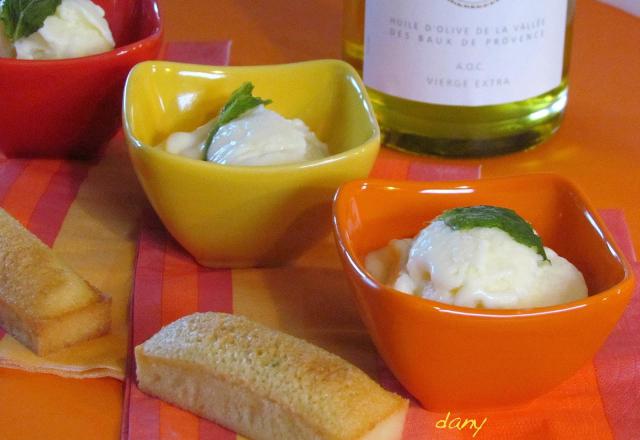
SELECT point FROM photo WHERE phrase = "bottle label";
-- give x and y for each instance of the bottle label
(464, 52)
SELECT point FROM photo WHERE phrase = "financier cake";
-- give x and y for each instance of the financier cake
(44, 304)
(264, 384)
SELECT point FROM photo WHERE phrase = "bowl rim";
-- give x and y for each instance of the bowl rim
(346, 250)
(117, 51)
(135, 144)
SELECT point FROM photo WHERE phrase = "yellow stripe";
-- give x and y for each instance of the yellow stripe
(98, 239)
(309, 299)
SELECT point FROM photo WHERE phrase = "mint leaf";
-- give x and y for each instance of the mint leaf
(21, 18)
(494, 217)
(239, 102)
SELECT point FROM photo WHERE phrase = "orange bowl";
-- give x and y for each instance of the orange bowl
(453, 357)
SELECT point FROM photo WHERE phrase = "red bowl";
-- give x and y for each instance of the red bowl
(71, 107)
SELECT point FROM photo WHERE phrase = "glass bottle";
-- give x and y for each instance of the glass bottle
(462, 77)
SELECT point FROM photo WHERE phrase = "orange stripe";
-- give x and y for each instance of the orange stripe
(179, 286)
(24, 194)
(572, 410)
(179, 298)
(391, 165)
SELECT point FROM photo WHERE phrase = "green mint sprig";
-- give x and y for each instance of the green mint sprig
(240, 101)
(21, 18)
(495, 217)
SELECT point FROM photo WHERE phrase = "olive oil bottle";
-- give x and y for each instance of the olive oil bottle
(462, 77)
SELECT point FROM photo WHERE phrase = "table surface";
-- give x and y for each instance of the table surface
(597, 147)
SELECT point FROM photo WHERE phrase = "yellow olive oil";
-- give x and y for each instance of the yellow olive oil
(422, 127)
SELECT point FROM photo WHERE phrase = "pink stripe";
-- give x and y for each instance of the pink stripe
(202, 52)
(387, 167)
(141, 417)
(422, 171)
(52, 208)
(147, 288)
(614, 218)
(214, 290)
(128, 380)
(215, 294)
(617, 364)
(9, 172)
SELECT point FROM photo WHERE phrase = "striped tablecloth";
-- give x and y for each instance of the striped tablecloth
(310, 299)
(90, 213)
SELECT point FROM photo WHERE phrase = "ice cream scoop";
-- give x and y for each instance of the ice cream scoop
(482, 267)
(258, 137)
(76, 29)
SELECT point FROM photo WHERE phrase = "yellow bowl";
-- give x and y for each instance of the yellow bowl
(237, 216)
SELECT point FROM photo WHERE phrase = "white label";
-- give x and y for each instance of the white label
(464, 52)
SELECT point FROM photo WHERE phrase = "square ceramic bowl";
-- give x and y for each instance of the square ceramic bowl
(451, 357)
(240, 216)
(71, 107)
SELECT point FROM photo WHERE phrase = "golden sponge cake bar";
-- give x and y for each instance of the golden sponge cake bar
(44, 304)
(264, 384)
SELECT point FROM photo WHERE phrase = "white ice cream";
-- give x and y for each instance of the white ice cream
(479, 267)
(258, 137)
(76, 29)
